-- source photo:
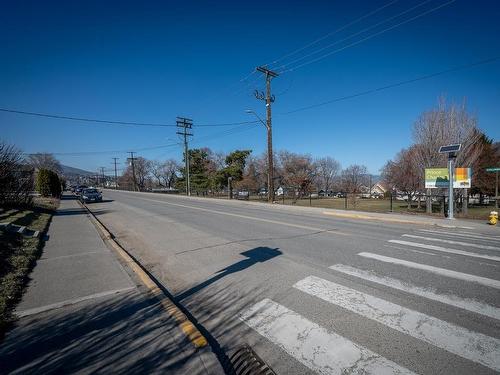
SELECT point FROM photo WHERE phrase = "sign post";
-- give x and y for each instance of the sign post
(496, 170)
(451, 150)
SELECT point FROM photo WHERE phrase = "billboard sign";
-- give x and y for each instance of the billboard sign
(438, 178)
(462, 178)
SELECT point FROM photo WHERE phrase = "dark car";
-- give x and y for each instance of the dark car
(90, 195)
(79, 189)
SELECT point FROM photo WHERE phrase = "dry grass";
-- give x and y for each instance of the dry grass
(18, 254)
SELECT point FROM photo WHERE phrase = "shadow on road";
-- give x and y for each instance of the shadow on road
(125, 334)
(256, 255)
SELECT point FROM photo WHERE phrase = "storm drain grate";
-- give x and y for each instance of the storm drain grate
(244, 361)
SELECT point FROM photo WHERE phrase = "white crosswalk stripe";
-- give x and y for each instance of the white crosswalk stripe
(472, 305)
(436, 270)
(468, 244)
(446, 250)
(474, 346)
(466, 235)
(321, 351)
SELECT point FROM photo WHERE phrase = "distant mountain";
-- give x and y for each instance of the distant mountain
(71, 171)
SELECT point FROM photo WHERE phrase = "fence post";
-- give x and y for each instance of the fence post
(391, 199)
(345, 202)
(310, 199)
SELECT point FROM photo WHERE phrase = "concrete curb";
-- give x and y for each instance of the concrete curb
(205, 353)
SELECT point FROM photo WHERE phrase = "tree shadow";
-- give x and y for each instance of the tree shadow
(68, 197)
(70, 212)
(256, 255)
(124, 334)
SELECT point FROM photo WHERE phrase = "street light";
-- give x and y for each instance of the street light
(270, 171)
(256, 115)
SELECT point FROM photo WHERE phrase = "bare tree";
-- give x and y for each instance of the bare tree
(403, 173)
(16, 178)
(45, 161)
(353, 178)
(444, 125)
(169, 172)
(157, 171)
(298, 171)
(327, 169)
(142, 169)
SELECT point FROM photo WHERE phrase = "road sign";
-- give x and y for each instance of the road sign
(439, 178)
(494, 169)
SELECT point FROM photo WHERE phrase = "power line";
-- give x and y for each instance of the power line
(371, 13)
(401, 83)
(368, 37)
(112, 122)
(353, 35)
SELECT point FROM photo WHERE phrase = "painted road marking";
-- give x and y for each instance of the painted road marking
(429, 293)
(446, 250)
(473, 346)
(436, 270)
(69, 302)
(312, 345)
(461, 234)
(330, 231)
(485, 247)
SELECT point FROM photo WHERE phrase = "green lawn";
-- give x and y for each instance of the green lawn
(18, 253)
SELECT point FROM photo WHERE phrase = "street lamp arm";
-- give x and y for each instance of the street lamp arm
(256, 115)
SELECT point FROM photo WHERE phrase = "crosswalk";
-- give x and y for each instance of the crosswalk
(326, 352)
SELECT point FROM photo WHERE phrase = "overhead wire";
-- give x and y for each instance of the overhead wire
(368, 37)
(353, 35)
(396, 84)
(371, 13)
(114, 122)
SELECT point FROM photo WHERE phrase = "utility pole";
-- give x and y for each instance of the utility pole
(132, 159)
(116, 175)
(269, 99)
(185, 124)
(103, 182)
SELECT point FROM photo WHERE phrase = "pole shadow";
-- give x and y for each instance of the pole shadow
(254, 256)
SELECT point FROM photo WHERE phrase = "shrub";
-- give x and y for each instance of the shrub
(48, 183)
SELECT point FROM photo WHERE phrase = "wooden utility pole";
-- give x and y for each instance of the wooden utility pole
(103, 177)
(132, 159)
(269, 99)
(185, 124)
(116, 175)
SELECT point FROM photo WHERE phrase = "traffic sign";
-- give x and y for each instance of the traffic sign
(496, 169)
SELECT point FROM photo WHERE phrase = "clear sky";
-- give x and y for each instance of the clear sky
(153, 61)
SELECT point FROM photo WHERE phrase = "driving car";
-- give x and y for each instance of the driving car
(90, 195)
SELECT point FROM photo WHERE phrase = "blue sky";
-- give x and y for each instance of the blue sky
(153, 61)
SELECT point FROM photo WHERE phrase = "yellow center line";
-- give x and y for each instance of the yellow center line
(314, 229)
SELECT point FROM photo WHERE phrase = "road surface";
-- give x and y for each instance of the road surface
(312, 293)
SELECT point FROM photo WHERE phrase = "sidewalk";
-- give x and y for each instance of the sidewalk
(84, 313)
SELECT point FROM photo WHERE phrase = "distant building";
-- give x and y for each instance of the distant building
(379, 188)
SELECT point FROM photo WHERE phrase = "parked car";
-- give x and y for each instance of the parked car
(79, 189)
(90, 195)
(244, 195)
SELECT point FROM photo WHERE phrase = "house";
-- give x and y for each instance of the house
(379, 188)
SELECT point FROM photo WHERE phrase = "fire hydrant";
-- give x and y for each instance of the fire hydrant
(493, 218)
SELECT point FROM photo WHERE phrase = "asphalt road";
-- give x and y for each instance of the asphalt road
(312, 293)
